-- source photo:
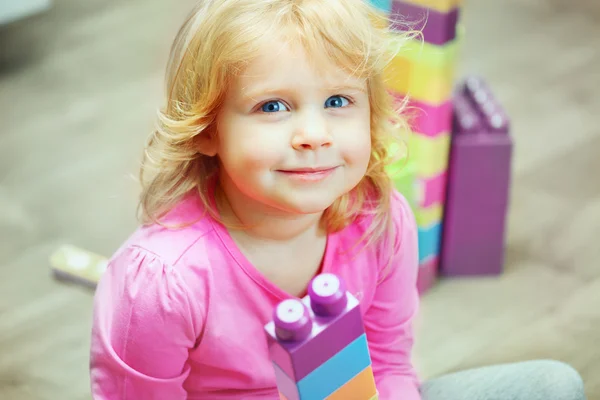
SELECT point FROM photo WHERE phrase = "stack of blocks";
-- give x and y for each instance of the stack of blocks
(478, 183)
(318, 346)
(424, 71)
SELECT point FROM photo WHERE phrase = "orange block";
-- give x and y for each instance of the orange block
(281, 396)
(362, 386)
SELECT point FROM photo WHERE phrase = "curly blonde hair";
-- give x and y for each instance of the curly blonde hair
(215, 43)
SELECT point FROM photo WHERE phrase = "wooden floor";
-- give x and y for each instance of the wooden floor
(78, 90)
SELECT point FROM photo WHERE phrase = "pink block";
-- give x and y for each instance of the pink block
(428, 272)
(433, 190)
(427, 119)
(431, 120)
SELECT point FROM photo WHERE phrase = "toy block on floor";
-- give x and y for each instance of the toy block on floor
(436, 27)
(318, 345)
(70, 263)
(478, 184)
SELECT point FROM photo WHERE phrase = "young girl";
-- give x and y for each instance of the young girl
(267, 167)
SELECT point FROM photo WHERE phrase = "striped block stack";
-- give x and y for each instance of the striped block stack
(318, 346)
(425, 72)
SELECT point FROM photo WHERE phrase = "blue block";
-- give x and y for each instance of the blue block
(332, 374)
(383, 5)
(429, 241)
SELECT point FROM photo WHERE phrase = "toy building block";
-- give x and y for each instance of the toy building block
(403, 175)
(70, 263)
(436, 27)
(382, 5)
(423, 71)
(429, 241)
(428, 272)
(430, 120)
(430, 55)
(431, 191)
(429, 216)
(478, 184)
(438, 5)
(420, 82)
(318, 345)
(430, 153)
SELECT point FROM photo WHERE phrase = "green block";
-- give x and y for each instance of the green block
(403, 173)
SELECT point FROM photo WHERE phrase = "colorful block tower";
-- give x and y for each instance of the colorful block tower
(478, 183)
(424, 72)
(318, 345)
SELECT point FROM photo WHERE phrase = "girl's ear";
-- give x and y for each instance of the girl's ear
(207, 142)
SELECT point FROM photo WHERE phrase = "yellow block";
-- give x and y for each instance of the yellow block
(429, 216)
(439, 5)
(424, 71)
(420, 81)
(432, 55)
(430, 154)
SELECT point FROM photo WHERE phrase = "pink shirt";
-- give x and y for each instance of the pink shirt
(179, 313)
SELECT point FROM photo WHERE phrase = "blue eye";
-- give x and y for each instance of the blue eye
(273, 107)
(336, 101)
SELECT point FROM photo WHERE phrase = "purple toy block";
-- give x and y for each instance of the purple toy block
(437, 27)
(478, 184)
(305, 333)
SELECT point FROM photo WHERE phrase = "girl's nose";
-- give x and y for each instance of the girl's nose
(312, 133)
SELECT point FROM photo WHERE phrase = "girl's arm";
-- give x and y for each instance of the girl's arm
(144, 325)
(388, 321)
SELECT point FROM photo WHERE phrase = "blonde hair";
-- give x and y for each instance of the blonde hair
(213, 45)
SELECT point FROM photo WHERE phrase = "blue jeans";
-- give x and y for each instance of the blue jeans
(529, 380)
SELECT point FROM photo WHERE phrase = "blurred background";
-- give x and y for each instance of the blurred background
(80, 82)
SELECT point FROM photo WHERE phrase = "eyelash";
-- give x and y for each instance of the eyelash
(261, 105)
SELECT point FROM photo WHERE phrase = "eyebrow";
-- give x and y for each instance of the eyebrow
(358, 88)
(261, 91)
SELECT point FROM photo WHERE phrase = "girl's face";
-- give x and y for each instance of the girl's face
(292, 138)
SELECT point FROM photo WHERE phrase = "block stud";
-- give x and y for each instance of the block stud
(292, 320)
(327, 294)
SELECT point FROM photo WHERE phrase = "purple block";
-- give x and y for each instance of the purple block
(436, 27)
(335, 318)
(478, 184)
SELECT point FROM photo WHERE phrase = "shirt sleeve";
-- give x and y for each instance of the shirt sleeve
(144, 325)
(389, 319)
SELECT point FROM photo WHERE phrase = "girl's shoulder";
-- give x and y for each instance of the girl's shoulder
(163, 258)
(169, 241)
(186, 223)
